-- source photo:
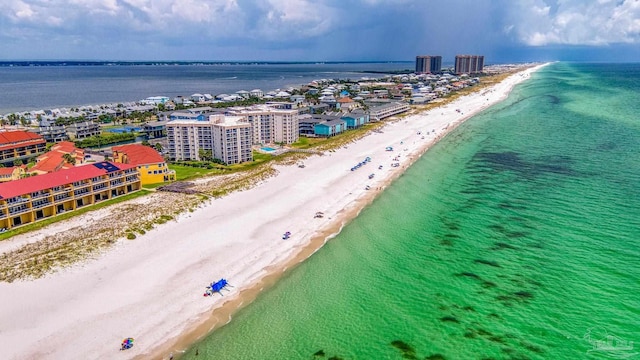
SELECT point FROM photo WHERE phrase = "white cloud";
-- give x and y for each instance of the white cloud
(575, 22)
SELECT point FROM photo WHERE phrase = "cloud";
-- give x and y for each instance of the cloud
(305, 29)
(574, 22)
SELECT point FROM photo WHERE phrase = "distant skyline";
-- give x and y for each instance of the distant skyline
(320, 30)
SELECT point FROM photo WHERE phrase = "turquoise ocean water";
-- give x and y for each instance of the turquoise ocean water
(516, 237)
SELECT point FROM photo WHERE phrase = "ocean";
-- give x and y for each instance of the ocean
(515, 237)
(26, 88)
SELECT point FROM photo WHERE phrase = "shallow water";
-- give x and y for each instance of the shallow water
(517, 236)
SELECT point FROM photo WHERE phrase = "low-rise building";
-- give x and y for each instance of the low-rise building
(63, 155)
(39, 197)
(84, 129)
(20, 145)
(380, 112)
(151, 165)
(11, 173)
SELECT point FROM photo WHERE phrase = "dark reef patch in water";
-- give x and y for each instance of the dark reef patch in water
(408, 352)
(469, 275)
(449, 319)
(503, 246)
(486, 262)
(488, 284)
(436, 357)
(516, 234)
(512, 161)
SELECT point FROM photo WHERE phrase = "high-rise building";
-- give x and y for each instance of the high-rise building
(270, 125)
(469, 64)
(228, 138)
(428, 64)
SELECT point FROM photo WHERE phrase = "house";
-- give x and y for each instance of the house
(38, 197)
(243, 94)
(11, 173)
(197, 98)
(20, 145)
(318, 109)
(151, 165)
(257, 93)
(346, 104)
(84, 129)
(63, 155)
(155, 129)
(51, 132)
(355, 119)
(329, 128)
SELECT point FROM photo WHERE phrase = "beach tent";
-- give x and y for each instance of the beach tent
(126, 344)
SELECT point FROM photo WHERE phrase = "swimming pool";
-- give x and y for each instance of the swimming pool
(267, 149)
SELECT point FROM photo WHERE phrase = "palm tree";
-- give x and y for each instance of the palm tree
(70, 159)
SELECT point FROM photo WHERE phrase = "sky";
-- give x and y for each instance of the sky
(320, 30)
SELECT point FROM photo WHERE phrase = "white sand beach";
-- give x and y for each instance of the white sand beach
(152, 288)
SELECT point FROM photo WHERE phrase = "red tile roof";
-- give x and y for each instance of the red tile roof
(9, 137)
(7, 170)
(46, 181)
(345, 100)
(139, 154)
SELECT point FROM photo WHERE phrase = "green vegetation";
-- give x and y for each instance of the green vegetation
(105, 139)
(67, 215)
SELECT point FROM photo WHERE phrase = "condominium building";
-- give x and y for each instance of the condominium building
(228, 138)
(232, 139)
(151, 165)
(270, 125)
(428, 64)
(380, 112)
(38, 197)
(20, 145)
(469, 64)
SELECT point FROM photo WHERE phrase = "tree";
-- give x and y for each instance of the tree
(70, 159)
(205, 155)
(158, 146)
(145, 143)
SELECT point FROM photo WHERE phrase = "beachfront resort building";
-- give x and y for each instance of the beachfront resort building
(227, 138)
(428, 64)
(151, 165)
(39, 197)
(379, 112)
(20, 145)
(63, 155)
(469, 64)
(270, 124)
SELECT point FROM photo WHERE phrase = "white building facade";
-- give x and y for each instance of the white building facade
(228, 138)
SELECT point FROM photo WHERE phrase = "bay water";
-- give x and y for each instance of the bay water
(515, 237)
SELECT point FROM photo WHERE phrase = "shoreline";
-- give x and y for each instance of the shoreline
(246, 296)
(151, 288)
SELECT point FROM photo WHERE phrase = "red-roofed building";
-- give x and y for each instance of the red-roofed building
(11, 173)
(38, 197)
(56, 158)
(152, 166)
(20, 145)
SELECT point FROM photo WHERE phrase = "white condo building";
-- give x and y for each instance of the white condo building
(270, 125)
(229, 138)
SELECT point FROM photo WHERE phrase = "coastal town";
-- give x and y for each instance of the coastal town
(137, 142)
(66, 205)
